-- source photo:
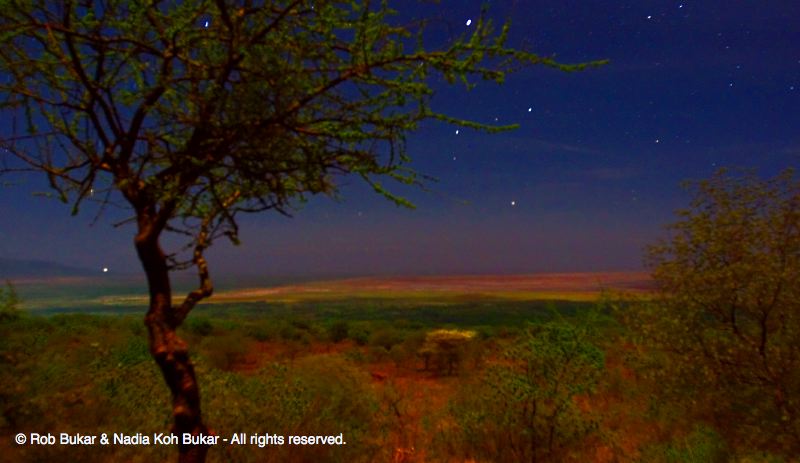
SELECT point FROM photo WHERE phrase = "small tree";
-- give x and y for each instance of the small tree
(727, 312)
(194, 112)
(443, 350)
(525, 407)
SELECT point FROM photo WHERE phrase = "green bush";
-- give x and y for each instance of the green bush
(199, 326)
(315, 396)
(360, 335)
(262, 331)
(702, 445)
(290, 332)
(524, 408)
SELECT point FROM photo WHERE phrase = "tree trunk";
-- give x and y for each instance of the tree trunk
(170, 351)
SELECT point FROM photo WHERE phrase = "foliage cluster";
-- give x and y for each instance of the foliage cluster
(443, 350)
(526, 406)
(723, 333)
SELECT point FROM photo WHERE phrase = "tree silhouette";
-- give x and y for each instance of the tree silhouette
(194, 112)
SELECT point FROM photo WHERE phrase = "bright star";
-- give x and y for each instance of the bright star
(513, 203)
(456, 131)
(105, 269)
(530, 109)
(469, 21)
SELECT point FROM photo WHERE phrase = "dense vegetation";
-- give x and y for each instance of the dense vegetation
(555, 381)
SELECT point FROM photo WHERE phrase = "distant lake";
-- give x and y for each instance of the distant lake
(78, 294)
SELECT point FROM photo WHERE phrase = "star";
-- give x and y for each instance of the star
(206, 24)
(469, 21)
(456, 131)
(513, 203)
(649, 16)
(105, 269)
(530, 109)
(658, 140)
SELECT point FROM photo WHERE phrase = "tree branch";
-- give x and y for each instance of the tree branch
(205, 289)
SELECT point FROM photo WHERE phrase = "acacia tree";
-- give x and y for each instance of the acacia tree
(727, 312)
(194, 112)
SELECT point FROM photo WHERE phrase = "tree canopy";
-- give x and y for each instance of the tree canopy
(197, 111)
(727, 315)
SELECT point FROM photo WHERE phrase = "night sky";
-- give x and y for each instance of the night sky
(591, 176)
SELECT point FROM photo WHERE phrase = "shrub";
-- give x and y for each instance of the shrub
(702, 445)
(261, 331)
(338, 331)
(525, 407)
(293, 331)
(360, 335)
(323, 395)
(199, 326)
(385, 338)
